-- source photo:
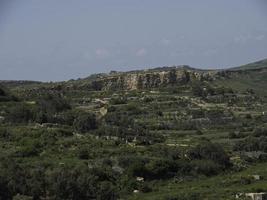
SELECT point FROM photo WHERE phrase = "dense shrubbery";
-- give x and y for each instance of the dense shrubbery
(5, 95)
(20, 113)
(260, 131)
(185, 196)
(60, 183)
(203, 90)
(52, 103)
(252, 144)
(85, 122)
(83, 183)
(210, 151)
(48, 105)
(46, 110)
(2, 92)
(118, 100)
(207, 159)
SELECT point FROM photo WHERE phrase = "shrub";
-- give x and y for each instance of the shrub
(83, 153)
(186, 196)
(133, 109)
(118, 100)
(252, 144)
(85, 122)
(5, 95)
(260, 131)
(82, 183)
(20, 113)
(206, 167)
(52, 103)
(210, 151)
(29, 148)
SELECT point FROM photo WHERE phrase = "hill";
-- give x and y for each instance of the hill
(252, 66)
(250, 76)
(164, 133)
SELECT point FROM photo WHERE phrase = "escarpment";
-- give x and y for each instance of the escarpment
(148, 79)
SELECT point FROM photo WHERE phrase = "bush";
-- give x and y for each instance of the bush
(85, 122)
(83, 153)
(252, 144)
(260, 131)
(29, 148)
(210, 151)
(160, 169)
(5, 95)
(2, 92)
(20, 113)
(206, 167)
(52, 103)
(133, 109)
(118, 100)
(187, 196)
(83, 183)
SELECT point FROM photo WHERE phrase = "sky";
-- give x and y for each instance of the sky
(55, 40)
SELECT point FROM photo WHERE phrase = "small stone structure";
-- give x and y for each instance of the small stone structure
(140, 179)
(256, 177)
(257, 196)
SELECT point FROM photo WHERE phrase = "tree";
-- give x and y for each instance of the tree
(96, 85)
(186, 77)
(82, 183)
(172, 77)
(48, 105)
(85, 122)
(210, 151)
(52, 103)
(2, 92)
(19, 114)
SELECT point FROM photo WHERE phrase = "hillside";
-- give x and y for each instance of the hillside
(252, 66)
(251, 76)
(163, 134)
(247, 76)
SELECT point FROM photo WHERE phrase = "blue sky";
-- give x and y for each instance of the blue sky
(53, 40)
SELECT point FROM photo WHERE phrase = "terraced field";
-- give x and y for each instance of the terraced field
(196, 138)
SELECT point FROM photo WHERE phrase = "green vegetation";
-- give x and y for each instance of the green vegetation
(201, 135)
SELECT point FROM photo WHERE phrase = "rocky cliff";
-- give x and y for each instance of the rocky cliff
(148, 79)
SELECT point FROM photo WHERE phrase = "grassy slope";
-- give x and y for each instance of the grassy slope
(215, 188)
(219, 187)
(254, 65)
(250, 76)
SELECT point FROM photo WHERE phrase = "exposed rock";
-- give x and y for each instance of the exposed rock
(148, 79)
(257, 196)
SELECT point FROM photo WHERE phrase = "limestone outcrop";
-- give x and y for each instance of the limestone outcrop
(147, 79)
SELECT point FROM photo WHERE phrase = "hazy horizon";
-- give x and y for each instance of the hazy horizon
(61, 40)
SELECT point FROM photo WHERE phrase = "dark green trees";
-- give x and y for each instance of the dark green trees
(212, 152)
(20, 113)
(85, 122)
(48, 105)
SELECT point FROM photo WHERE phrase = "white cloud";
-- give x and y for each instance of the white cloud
(87, 55)
(245, 38)
(182, 53)
(102, 53)
(242, 38)
(260, 37)
(165, 42)
(141, 52)
(210, 52)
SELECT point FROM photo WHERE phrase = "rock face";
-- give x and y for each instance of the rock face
(147, 79)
